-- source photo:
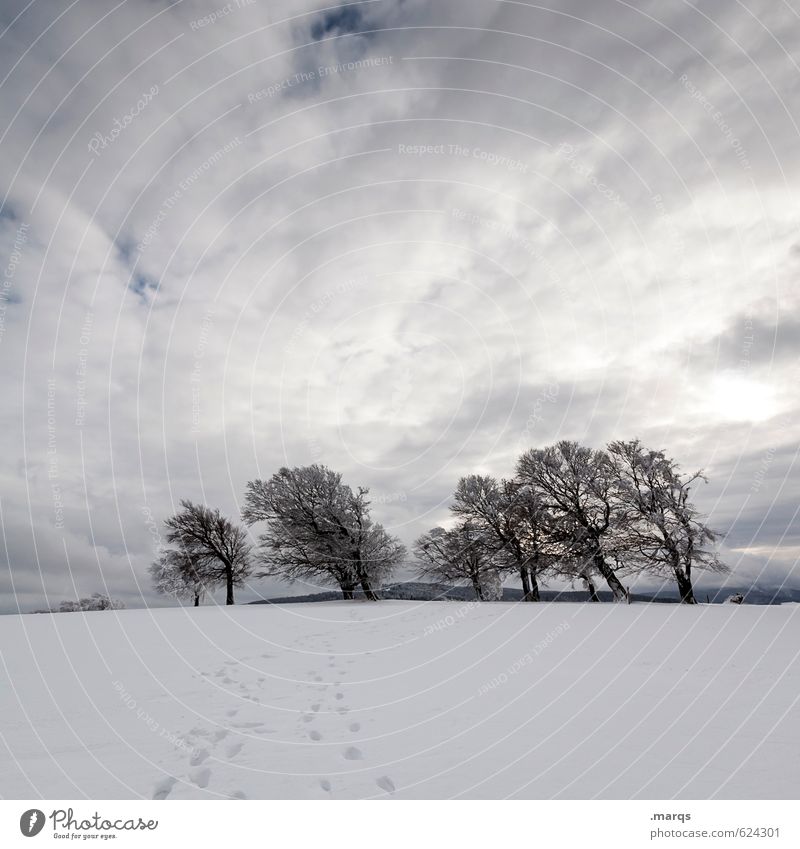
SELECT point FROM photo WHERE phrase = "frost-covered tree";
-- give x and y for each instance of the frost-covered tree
(178, 574)
(96, 601)
(575, 485)
(319, 529)
(513, 524)
(218, 546)
(381, 554)
(459, 555)
(663, 527)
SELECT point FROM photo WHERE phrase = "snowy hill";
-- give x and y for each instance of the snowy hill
(404, 700)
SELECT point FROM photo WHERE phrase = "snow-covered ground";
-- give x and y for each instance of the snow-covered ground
(402, 699)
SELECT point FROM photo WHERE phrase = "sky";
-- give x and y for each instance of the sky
(405, 239)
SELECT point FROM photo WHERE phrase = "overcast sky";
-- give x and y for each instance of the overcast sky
(406, 239)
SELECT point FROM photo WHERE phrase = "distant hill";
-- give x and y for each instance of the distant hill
(419, 591)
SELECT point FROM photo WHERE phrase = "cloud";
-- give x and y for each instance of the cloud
(401, 238)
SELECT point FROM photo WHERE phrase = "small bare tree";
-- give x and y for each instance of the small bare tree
(179, 574)
(513, 523)
(575, 485)
(457, 556)
(664, 528)
(218, 546)
(319, 529)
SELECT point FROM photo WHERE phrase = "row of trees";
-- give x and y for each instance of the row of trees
(570, 512)
(317, 529)
(574, 513)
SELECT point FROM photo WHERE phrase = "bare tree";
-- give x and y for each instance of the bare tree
(575, 485)
(513, 523)
(456, 556)
(179, 574)
(217, 545)
(319, 529)
(664, 527)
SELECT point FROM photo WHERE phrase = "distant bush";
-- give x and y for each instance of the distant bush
(97, 601)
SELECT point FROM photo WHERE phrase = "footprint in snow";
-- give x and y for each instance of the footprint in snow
(220, 734)
(164, 788)
(355, 726)
(232, 712)
(342, 710)
(339, 696)
(200, 777)
(238, 794)
(234, 749)
(198, 757)
(325, 785)
(316, 707)
(386, 783)
(315, 735)
(353, 753)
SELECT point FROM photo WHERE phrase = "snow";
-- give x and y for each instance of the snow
(402, 699)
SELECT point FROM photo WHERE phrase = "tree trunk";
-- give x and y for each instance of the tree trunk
(590, 588)
(533, 593)
(526, 583)
(476, 586)
(347, 591)
(610, 576)
(363, 578)
(229, 585)
(685, 587)
(369, 593)
(197, 599)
